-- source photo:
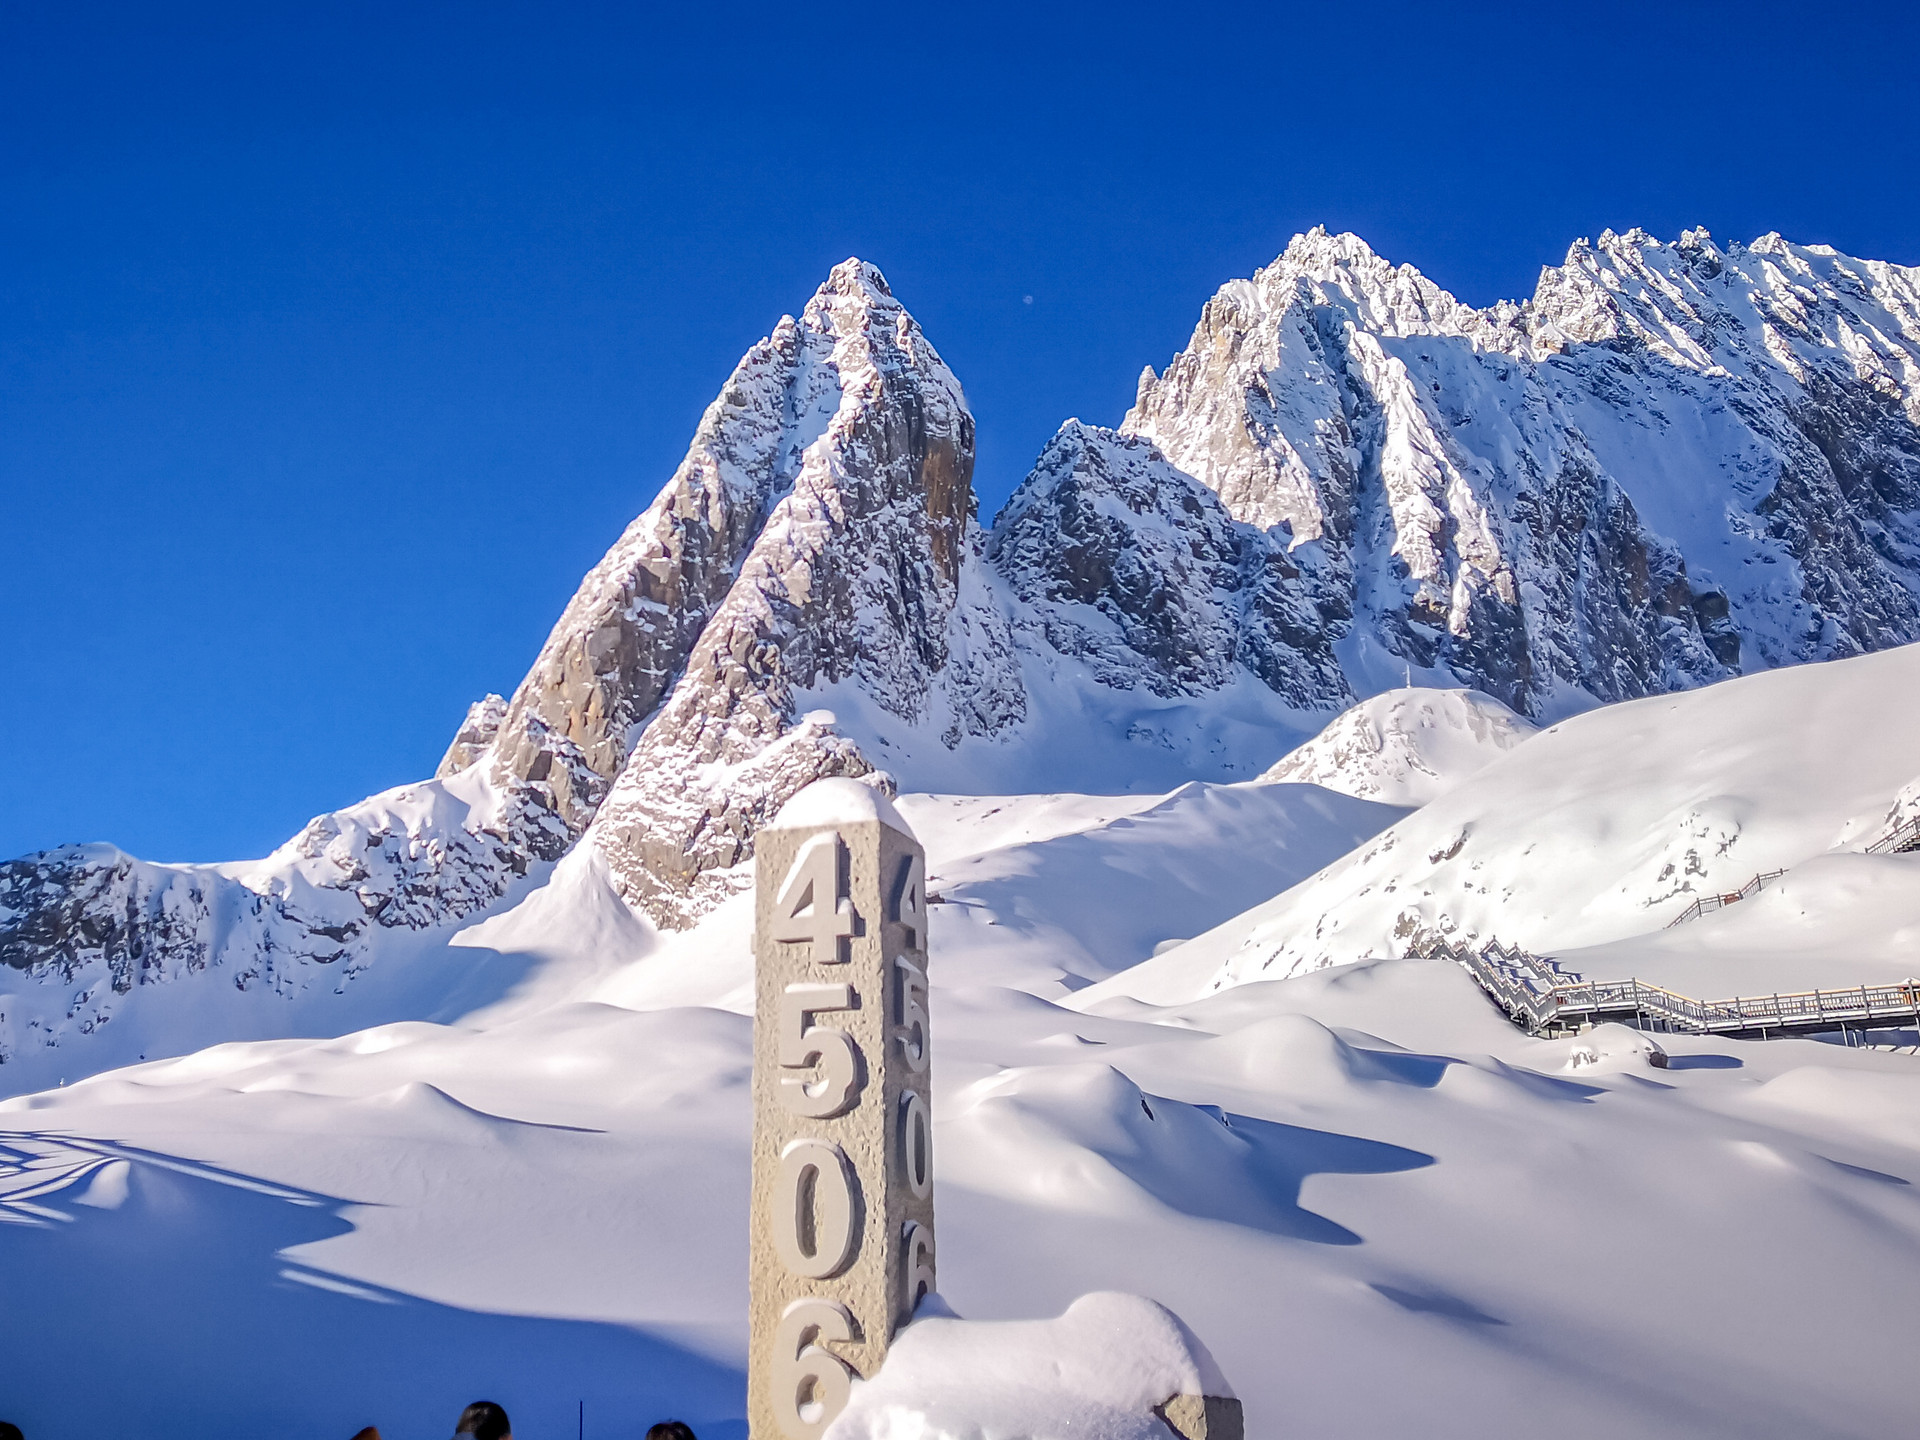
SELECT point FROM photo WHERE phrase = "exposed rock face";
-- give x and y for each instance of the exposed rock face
(626, 635)
(93, 923)
(476, 733)
(857, 576)
(1672, 463)
(1123, 562)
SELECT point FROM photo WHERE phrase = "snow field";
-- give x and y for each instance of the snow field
(1380, 1207)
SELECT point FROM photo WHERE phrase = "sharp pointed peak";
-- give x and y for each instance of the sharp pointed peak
(855, 277)
(1321, 244)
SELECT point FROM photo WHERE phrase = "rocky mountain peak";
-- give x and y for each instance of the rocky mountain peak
(1461, 491)
(1392, 299)
(854, 578)
(1136, 569)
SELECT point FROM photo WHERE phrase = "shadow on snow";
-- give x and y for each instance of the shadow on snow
(137, 1284)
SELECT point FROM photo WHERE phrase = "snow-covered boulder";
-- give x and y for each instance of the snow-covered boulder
(1405, 747)
(1116, 1367)
(1612, 1047)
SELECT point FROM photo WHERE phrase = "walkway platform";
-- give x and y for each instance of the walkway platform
(1542, 998)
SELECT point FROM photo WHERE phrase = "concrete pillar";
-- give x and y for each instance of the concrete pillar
(842, 1241)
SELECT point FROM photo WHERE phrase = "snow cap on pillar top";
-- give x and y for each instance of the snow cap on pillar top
(838, 801)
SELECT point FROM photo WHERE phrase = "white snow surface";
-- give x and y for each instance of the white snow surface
(838, 801)
(1407, 746)
(1383, 1208)
(1098, 1370)
(1587, 840)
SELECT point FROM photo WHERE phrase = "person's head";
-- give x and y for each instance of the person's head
(671, 1430)
(484, 1420)
(10, 1432)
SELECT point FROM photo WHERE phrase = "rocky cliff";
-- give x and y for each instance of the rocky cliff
(1673, 463)
(859, 576)
(1117, 559)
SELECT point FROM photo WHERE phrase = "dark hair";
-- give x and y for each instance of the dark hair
(12, 1432)
(671, 1430)
(484, 1420)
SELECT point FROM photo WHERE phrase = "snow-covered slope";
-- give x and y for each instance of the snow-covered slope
(1601, 830)
(281, 946)
(1361, 1172)
(1405, 747)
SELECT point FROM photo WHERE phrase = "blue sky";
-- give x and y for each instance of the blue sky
(336, 344)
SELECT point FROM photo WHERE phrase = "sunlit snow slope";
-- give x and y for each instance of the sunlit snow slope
(1383, 1208)
(1601, 830)
(1406, 747)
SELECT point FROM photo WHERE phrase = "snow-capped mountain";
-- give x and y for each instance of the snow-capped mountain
(858, 575)
(1675, 463)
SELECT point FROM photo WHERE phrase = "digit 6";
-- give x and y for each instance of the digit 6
(810, 1384)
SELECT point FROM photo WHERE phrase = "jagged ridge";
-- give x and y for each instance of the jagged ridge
(1672, 463)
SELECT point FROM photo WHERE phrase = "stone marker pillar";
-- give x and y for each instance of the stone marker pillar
(842, 1231)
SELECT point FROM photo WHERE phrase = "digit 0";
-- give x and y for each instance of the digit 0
(816, 1224)
(916, 1145)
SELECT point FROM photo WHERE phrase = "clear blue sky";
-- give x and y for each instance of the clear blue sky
(337, 342)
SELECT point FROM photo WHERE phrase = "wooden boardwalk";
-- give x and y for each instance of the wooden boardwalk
(1544, 999)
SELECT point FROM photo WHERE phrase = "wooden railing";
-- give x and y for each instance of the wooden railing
(1903, 837)
(1541, 998)
(1708, 903)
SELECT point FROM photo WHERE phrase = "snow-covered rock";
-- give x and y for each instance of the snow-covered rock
(84, 927)
(1104, 1368)
(1673, 463)
(855, 577)
(1405, 747)
(1129, 565)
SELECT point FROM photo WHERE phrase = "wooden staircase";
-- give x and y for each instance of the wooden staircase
(1543, 998)
(1708, 903)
